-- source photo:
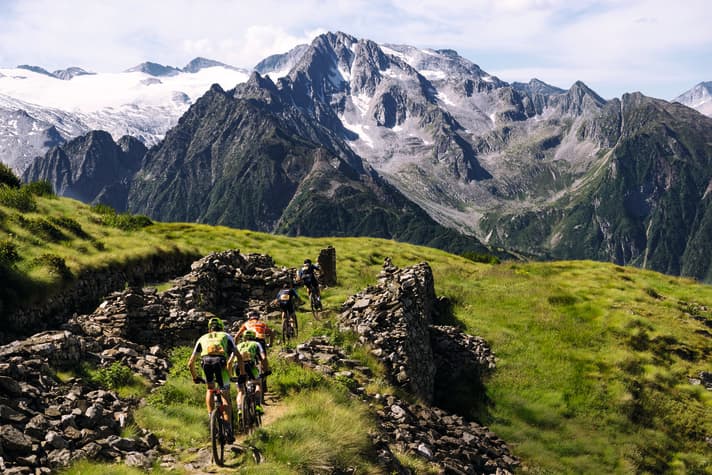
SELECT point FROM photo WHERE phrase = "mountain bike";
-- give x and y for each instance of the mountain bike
(290, 327)
(220, 429)
(314, 301)
(248, 417)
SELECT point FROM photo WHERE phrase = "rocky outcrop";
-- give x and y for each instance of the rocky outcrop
(46, 424)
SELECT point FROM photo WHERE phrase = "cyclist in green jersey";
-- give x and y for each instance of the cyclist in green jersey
(253, 355)
(217, 352)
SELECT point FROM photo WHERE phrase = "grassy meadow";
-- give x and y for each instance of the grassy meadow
(594, 360)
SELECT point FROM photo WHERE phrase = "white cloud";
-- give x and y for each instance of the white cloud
(649, 41)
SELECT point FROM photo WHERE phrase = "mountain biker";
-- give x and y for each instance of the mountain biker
(217, 352)
(253, 355)
(286, 299)
(261, 329)
(307, 275)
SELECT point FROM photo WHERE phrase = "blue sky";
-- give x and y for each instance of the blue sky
(658, 47)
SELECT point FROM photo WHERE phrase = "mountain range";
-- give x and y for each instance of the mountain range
(345, 136)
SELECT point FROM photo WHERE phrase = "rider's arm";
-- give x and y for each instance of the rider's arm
(191, 360)
(263, 358)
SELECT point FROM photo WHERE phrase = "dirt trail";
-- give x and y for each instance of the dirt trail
(198, 459)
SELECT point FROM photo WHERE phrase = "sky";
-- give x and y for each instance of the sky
(658, 47)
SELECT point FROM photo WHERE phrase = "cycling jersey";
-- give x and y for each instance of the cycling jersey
(252, 352)
(214, 349)
(260, 328)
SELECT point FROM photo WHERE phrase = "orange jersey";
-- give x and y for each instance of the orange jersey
(260, 328)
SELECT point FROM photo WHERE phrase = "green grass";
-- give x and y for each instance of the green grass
(593, 359)
(322, 428)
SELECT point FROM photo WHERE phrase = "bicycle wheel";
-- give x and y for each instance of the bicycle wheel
(286, 331)
(295, 325)
(241, 415)
(314, 302)
(217, 436)
(252, 411)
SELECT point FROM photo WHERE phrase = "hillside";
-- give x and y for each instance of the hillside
(599, 367)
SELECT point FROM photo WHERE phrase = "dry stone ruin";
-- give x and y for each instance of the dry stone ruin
(46, 423)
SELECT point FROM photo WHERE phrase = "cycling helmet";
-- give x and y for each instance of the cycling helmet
(307, 261)
(249, 335)
(253, 314)
(215, 324)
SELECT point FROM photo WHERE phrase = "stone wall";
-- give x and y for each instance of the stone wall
(394, 318)
(86, 291)
(453, 444)
(225, 284)
(327, 264)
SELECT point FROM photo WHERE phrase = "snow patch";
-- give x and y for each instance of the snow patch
(360, 130)
(433, 75)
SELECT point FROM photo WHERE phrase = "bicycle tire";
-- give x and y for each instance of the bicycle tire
(241, 417)
(217, 436)
(295, 325)
(286, 333)
(314, 302)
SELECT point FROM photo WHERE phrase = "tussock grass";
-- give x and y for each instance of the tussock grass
(324, 429)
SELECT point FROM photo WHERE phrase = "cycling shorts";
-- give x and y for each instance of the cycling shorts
(253, 372)
(215, 369)
(287, 306)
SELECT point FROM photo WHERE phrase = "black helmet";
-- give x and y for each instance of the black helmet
(307, 261)
(253, 314)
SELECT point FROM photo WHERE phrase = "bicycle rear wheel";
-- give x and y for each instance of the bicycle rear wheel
(314, 302)
(295, 325)
(217, 436)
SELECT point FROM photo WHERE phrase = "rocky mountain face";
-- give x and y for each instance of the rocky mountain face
(249, 158)
(91, 168)
(528, 166)
(698, 98)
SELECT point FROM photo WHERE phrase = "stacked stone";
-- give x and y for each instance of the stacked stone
(88, 289)
(45, 424)
(447, 440)
(394, 318)
(327, 264)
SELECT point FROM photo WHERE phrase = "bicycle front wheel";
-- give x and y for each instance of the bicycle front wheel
(217, 437)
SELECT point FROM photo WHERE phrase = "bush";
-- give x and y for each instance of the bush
(19, 198)
(41, 228)
(8, 252)
(124, 221)
(480, 257)
(113, 377)
(54, 264)
(8, 177)
(41, 188)
(70, 225)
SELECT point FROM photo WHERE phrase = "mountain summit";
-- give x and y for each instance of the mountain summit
(334, 136)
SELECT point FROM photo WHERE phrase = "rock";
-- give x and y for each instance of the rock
(12, 440)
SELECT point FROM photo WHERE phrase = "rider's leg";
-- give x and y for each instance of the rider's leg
(208, 397)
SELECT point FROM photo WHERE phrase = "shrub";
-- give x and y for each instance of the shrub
(70, 225)
(41, 188)
(114, 376)
(481, 257)
(8, 252)
(124, 221)
(54, 264)
(8, 177)
(41, 228)
(19, 198)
